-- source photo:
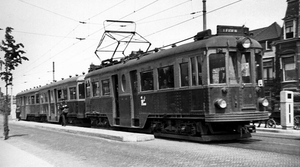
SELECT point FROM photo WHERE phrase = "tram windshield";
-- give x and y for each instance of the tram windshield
(217, 70)
(239, 68)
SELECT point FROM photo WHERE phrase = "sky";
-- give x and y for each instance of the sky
(67, 32)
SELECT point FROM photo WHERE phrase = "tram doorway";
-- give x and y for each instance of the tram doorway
(135, 100)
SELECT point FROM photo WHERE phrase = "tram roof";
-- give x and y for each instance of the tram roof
(211, 42)
(53, 84)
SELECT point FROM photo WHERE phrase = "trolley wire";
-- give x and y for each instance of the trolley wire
(123, 18)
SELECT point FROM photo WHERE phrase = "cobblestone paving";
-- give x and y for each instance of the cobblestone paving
(192, 154)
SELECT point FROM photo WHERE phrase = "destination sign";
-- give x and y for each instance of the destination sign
(232, 30)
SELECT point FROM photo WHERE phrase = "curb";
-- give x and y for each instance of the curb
(101, 133)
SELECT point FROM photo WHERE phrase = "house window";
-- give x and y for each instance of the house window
(268, 69)
(289, 29)
(268, 45)
(288, 68)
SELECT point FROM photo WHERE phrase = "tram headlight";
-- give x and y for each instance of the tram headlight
(263, 101)
(220, 103)
(244, 43)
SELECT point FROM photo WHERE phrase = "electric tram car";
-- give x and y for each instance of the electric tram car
(209, 89)
(42, 103)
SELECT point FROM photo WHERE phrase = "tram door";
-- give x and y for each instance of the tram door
(248, 97)
(115, 86)
(134, 91)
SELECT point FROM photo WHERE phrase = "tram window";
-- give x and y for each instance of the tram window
(42, 98)
(166, 77)
(81, 91)
(193, 64)
(27, 100)
(46, 97)
(199, 60)
(51, 96)
(258, 67)
(217, 68)
(246, 68)
(184, 74)
(123, 83)
(32, 100)
(105, 87)
(62, 94)
(88, 88)
(65, 94)
(59, 96)
(95, 88)
(37, 98)
(72, 91)
(147, 80)
(233, 68)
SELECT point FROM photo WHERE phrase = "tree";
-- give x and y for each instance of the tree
(12, 58)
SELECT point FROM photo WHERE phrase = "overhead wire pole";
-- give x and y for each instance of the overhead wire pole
(204, 14)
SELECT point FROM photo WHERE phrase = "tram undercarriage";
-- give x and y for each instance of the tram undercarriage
(196, 130)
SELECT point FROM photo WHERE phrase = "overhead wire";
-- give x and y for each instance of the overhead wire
(66, 36)
(127, 16)
(55, 13)
(193, 17)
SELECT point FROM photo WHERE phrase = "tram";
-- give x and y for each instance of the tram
(42, 103)
(209, 89)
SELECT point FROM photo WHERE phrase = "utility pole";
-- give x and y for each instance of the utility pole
(204, 14)
(53, 71)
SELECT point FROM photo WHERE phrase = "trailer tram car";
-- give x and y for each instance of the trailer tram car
(41, 104)
(209, 89)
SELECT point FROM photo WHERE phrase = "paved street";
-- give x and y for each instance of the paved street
(68, 149)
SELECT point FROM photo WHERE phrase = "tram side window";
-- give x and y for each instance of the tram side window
(42, 98)
(51, 96)
(62, 94)
(65, 94)
(166, 77)
(46, 97)
(95, 88)
(233, 68)
(105, 87)
(246, 68)
(72, 91)
(193, 65)
(88, 88)
(217, 68)
(184, 74)
(37, 98)
(32, 100)
(147, 80)
(199, 60)
(81, 91)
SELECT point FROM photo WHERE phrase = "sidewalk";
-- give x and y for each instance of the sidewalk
(101, 133)
(11, 156)
(278, 129)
